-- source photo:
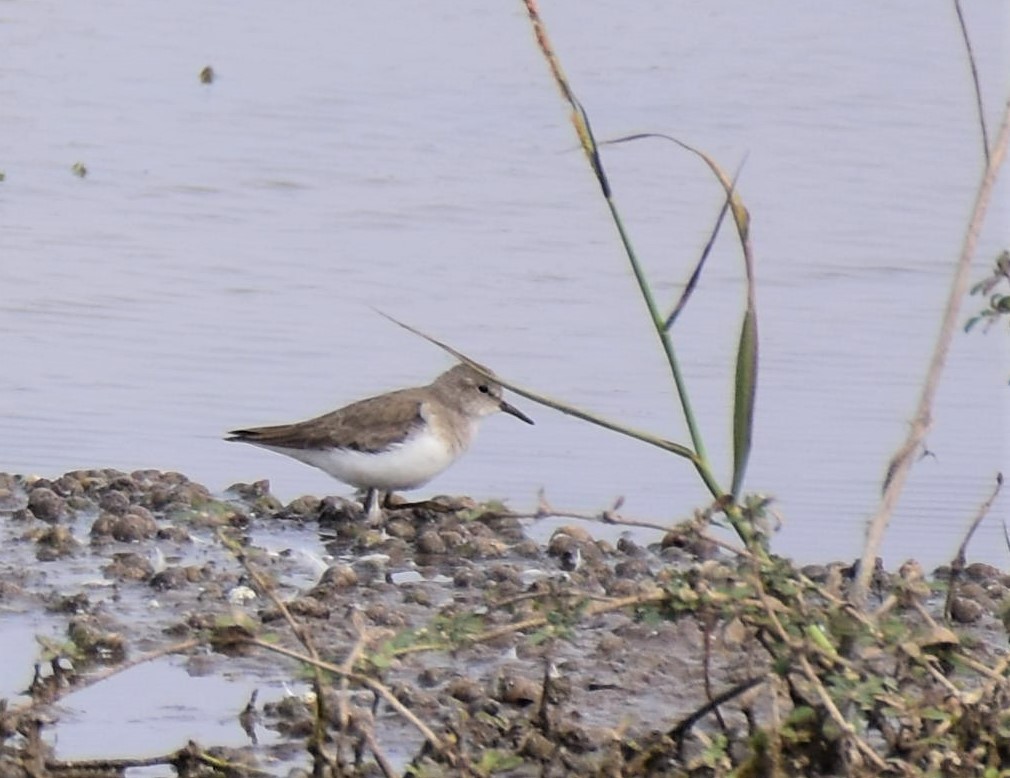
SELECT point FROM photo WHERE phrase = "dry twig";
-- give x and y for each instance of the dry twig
(922, 422)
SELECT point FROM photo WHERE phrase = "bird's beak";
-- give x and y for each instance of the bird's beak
(511, 410)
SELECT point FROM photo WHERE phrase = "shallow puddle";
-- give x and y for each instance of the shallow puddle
(155, 707)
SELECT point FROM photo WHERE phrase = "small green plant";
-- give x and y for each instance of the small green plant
(998, 305)
(747, 350)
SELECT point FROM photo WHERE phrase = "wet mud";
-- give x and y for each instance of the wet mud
(447, 641)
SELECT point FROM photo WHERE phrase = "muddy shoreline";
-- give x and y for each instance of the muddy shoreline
(452, 643)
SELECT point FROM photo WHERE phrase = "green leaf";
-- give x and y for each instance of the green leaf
(496, 760)
(746, 388)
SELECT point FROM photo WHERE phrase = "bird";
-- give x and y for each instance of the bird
(394, 441)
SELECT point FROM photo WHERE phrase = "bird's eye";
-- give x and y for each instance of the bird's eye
(484, 389)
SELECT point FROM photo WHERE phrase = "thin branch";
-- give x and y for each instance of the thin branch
(684, 725)
(837, 716)
(380, 758)
(102, 675)
(922, 422)
(100, 767)
(348, 665)
(957, 564)
(381, 689)
(545, 510)
(301, 633)
(813, 678)
(596, 609)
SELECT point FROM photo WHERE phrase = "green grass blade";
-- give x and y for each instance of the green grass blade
(569, 410)
(745, 392)
(705, 252)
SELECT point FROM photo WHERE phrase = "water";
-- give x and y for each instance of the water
(178, 706)
(218, 265)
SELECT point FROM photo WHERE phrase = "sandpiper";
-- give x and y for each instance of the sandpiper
(398, 440)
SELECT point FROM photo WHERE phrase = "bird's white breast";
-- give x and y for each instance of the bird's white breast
(406, 465)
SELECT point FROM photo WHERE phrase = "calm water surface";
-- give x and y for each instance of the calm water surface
(218, 265)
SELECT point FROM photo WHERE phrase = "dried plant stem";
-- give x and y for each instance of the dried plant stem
(348, 665)
(188, 753)
(712, 704)
(901, 463)
(957, 564)
(596, 609)
(813, 678)
(836, 715)
(997, 674)
(380, 758)
(109, 672)
(379, 688)
(301, 633)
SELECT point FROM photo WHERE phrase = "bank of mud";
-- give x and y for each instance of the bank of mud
(448, 642)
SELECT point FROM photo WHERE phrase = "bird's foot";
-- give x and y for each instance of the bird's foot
(374, 513)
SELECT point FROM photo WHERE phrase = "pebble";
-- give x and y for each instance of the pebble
(687, 540)
(305, 505)
(92, 640)
(573, 547)
(622, 587)
(130, 528)
(308, 607)
(431, 542)
(452, 539)
(401, 528)
(432, 676)
(965, 611)
(632, 568)
(418, 595)
(46, 505)
(610, 644)
(384, 615)
(253, 491)
(506, 573)
(468, 577)
(516, 689)
(114, 502)
(981, 572)
(339, 576)
(129, 566)
(464, 689)
(538, 747)
(175, 534)
(240, 595)
(486, 548)
(55, 543)
(170, 578)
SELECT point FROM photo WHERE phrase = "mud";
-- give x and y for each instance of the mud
(522, 658)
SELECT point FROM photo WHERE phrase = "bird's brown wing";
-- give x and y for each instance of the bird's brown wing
(366, 425)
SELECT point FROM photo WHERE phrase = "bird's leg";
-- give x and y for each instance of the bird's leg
(373, 506)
